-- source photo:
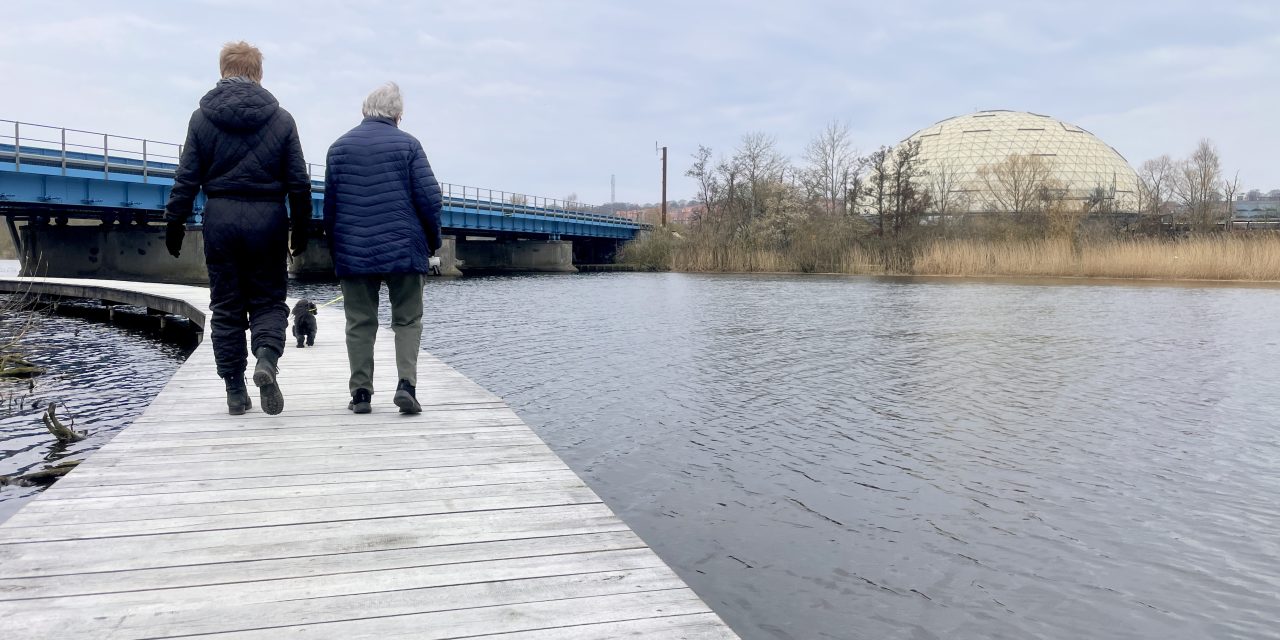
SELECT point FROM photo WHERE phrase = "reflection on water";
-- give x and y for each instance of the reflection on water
(852, 458)
(102, 377)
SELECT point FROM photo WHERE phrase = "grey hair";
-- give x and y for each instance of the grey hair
(384, 102)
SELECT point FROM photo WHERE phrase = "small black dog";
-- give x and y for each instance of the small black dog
(304, 322)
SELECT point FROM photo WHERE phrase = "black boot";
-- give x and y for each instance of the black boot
(360, 401)
(237, 395)
(407, 398)
(264, 375)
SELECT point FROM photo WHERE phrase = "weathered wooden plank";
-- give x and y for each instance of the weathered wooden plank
(208, 547)
(124, 455)
(257, 571)
(322, 483)
(461, 623)
(488, 501)
(295, 438)
(353, 581)
(286, 510)
(692, 626)
(145, 619)
(108, 473)
(82, 508)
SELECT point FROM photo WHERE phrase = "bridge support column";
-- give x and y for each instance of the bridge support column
(551, 256)
(111, 253)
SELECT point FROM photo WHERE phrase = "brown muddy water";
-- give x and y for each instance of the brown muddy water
(836, 457)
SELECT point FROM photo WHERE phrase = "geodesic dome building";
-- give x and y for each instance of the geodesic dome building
(1076, 159)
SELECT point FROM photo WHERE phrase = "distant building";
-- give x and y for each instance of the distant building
(1260, 208)
(1083, 164)
(653, 215)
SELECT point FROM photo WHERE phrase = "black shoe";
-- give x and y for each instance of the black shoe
(237, 395)
(264, 375)
(311, 341)
(360, 401)
(406, 398)
(300, 343)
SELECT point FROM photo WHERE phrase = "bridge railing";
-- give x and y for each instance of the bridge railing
(76, 149)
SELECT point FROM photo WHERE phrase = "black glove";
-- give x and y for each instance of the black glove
(298, 239)
(173, 234)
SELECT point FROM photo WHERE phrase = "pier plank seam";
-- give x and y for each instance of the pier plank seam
(457, 522)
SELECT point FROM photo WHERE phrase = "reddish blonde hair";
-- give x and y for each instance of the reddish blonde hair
(240, 59)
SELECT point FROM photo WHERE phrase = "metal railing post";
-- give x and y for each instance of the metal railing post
(144, 161)
(106, 168)
(64, 151)
(17, 148)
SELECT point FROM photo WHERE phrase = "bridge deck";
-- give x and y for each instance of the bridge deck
(458, 522)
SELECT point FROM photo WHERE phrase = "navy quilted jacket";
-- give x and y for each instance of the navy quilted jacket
(241, 145)
(381, 202)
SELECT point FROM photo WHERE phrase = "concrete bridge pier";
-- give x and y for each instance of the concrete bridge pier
(484, 254)
(110, 252)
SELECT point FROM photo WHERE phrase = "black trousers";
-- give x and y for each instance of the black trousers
(246, 251)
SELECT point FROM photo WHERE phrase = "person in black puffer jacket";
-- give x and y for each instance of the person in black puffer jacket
(243, 150)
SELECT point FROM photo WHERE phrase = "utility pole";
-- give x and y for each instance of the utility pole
(664, 187)
(613, 192)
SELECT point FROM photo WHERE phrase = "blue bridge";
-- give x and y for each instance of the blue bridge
(59, 173)
(83, 204)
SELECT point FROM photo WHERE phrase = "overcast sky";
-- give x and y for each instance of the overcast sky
(551, 97)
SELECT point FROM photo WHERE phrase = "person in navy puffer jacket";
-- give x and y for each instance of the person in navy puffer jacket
(382, 215)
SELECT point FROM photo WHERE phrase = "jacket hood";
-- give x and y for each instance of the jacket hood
(239, 106)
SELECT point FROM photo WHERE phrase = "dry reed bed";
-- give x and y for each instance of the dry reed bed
(1226, 257)
(1215, 257)
(694, 258)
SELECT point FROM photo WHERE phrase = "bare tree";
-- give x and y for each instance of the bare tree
(1062, 216)
(1196, 184)
(762, 167)
(709, 185)
(878, 185)
(1016, 184)
(909, 200)
(830, 163)
(944, 187)
(1155, 184)
(1229, 190)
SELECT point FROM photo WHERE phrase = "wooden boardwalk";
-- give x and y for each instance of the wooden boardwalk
(455, 523)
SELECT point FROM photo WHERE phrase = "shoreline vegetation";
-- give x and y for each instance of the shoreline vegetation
(895, 211)
(1250, 257)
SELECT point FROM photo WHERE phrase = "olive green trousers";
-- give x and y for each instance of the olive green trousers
(360, 299)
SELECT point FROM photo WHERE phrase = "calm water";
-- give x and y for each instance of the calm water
(102, 377)
(850, 458)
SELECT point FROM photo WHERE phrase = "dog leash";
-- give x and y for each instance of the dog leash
(332, 301)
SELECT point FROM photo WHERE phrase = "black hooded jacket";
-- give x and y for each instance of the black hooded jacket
(241, 144)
